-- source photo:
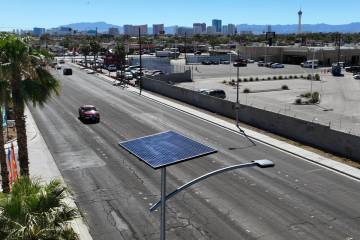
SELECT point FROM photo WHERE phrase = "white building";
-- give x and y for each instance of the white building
(158, 29)
(199, 28)
(133, 30)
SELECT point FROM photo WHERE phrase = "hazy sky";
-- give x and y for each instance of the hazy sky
(49, 13)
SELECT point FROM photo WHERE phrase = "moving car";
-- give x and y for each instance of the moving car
(57, 66)
(89, 113)
(89, 71)
(352, 69)
(67, 71)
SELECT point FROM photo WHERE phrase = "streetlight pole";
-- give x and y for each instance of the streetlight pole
(313, 72)
(140, 79)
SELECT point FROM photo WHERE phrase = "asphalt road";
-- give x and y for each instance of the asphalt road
(294, 200)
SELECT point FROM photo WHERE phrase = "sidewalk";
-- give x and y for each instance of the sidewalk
(42, 165)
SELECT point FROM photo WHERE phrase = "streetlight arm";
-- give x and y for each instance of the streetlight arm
(259, 163)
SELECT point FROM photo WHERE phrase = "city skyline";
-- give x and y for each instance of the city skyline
(41, 13)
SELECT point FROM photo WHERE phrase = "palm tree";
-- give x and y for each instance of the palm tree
(4, 86)
(95, 49)
(33, 211)
(29, 82)
(85, 50)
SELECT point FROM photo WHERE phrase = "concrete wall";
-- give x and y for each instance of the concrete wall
(312, 134)
(173, 77)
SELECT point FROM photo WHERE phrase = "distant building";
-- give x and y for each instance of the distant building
(113, 31)
(231, 29)
(38, 31)
(128, 30)
(158, 29)
(182, 31)
(225, 30)
(199, 28)
(210, 30)
(217, 25)
(133, 30)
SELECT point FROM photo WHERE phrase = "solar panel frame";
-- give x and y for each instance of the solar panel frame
(147, 149)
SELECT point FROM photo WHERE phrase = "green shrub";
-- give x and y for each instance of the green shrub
(291, 77)
(269, 78)
(284, 87)
(275, 78)
(298, 101)
(240, 80)
(233, 81)
(306, 95)
(251, 79)
(263, 79)
(301, 76)
(224, 81)
(315, 97)
(280, 77)
(245, 79)
(256, 79)
(246, 90)
(317, 77)
(309, 77)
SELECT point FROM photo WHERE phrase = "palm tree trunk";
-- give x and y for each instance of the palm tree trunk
(19, 107)
(3, 165)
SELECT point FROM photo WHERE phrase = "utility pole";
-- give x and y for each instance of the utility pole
(185, 47)
(140, 79)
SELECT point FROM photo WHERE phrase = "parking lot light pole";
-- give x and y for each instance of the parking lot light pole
(237, 92)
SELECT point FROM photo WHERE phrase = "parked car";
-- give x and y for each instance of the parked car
(57, 66)
(89, 113)
(215, 62)
(250, 61)
(111, 68)
(261, 64)
(206, 62)
(357, 76)
(125, 74)
(277, 65)
(67, 71)
(224, 62)
(89, 71)
(352, 69)
(61, 61)
(268, 64)
(240, 63)
(219, 93)
(197, 53)
(310, 64)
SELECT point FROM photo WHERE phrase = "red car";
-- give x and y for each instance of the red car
(89, 113)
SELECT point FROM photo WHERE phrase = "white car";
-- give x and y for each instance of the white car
(357, 76)
(89, 71)
(277, 65)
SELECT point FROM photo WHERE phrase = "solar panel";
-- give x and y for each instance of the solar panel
(166, 148)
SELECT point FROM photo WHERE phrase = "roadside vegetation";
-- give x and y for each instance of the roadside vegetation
(36, 211)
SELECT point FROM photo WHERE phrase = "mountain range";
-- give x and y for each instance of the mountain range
(256, 29)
